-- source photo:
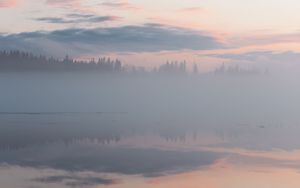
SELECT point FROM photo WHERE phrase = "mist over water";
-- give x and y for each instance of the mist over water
(207, 98)
(81, 129)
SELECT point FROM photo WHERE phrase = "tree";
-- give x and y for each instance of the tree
(195, 69)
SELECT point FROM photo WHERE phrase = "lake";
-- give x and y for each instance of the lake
(82, 130)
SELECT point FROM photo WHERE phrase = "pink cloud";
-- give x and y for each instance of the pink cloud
(265, 39)
(75, 5)
(8, 3)
(62, 2)
(122, 4)
(193, 10)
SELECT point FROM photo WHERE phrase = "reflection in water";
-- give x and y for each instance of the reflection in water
(231, 177)
(186, 135)
(54, 150)
(117, 159)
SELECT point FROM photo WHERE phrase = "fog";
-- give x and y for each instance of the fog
(185, 99)
(85, 129)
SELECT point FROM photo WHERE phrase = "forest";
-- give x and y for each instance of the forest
(18, 61)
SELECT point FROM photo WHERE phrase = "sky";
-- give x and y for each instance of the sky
(148, 33)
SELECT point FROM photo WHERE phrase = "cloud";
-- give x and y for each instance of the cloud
(76, 181)
(265, 39)
(8, 3)
(74, 5)
(193, 10)
(287, 56)
(77, 15)
(77, 41)
(77, 18)
(120, 4)
(248, 56)
(61, 2)
(54, 20)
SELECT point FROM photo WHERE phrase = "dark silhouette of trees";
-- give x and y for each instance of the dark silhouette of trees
(22, 61)
(195, 69)
(235, 70)
(220, 70)
(173, 67)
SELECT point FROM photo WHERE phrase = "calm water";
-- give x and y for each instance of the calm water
(90, 132)
(113, 150)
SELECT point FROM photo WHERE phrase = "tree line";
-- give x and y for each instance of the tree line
(23, 61)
